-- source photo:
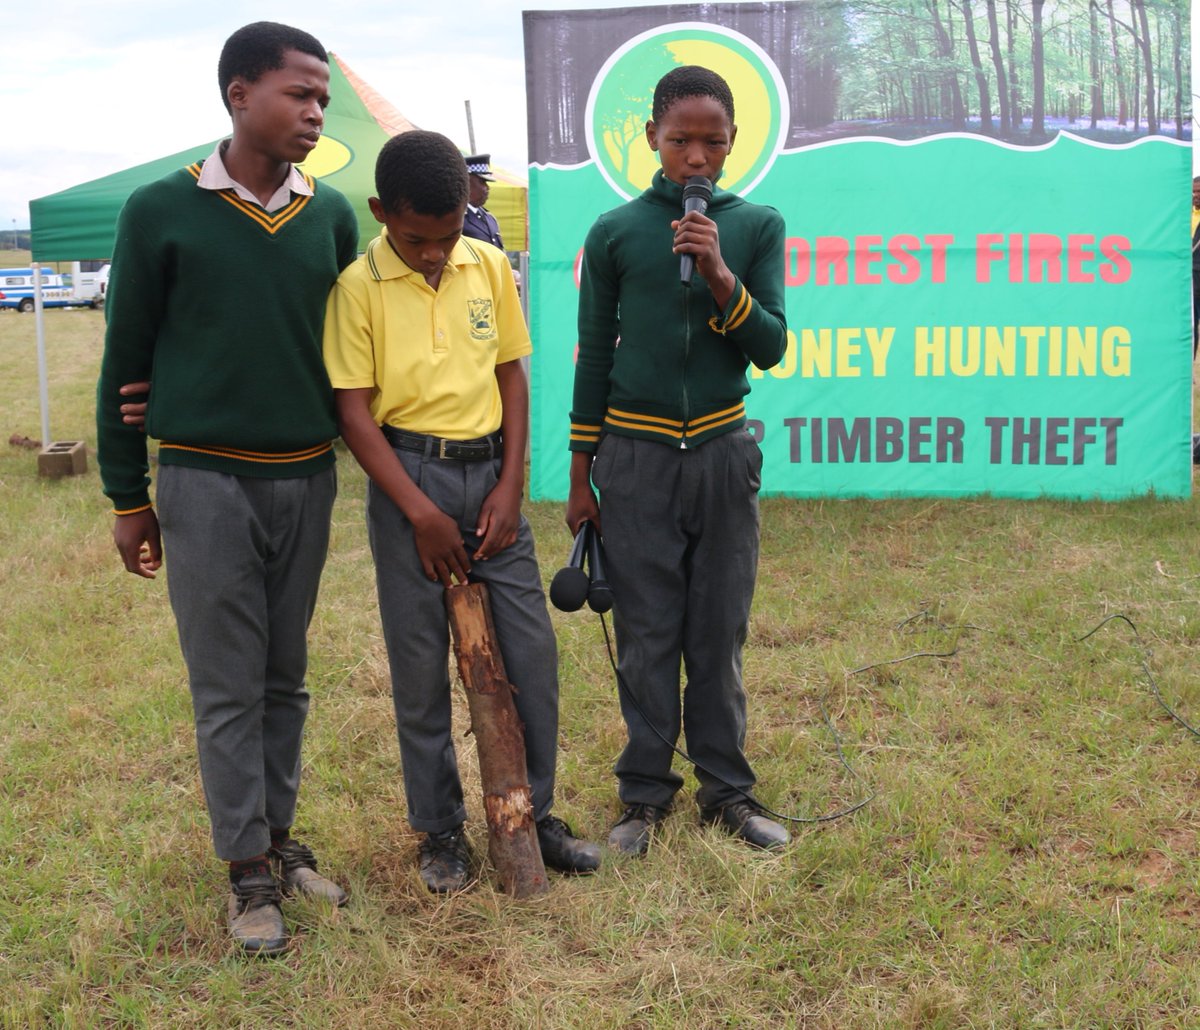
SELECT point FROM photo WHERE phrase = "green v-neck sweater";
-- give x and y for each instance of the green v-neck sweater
(221, 306)
(661, 361)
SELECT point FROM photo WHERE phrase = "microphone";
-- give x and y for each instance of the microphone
(569, 588)
(600, 595)
(696, 195)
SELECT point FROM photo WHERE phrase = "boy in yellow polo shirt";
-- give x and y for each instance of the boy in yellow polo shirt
(423, 341)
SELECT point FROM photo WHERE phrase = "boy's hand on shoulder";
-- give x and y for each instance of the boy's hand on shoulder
(499, 520)
(440, 548)
(696, 234)
(139, 543)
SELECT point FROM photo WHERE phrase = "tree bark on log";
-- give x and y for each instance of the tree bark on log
(499, 741)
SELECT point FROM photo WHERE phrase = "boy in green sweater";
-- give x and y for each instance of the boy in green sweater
(658, 424)
(219, 279)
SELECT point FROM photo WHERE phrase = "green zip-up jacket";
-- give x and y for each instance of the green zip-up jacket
(221, 305)
(658, 360)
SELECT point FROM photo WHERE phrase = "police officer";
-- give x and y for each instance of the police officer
(479, 223)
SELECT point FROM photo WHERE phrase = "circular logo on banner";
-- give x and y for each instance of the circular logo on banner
(327, 157)
(621, 98)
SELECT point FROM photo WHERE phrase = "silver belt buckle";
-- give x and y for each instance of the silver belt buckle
(442, 449)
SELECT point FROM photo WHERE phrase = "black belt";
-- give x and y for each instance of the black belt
(482, 448)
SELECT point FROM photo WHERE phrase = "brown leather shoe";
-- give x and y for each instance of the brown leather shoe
(745, 821)
(255, 922)
(296, 867)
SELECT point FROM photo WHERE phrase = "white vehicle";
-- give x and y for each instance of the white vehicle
(77, 289)
(89, 284)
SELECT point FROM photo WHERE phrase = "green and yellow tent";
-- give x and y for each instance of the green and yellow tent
(79, 223)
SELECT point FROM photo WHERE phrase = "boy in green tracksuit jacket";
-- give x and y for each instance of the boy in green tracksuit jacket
(218, 288)
(658, 425)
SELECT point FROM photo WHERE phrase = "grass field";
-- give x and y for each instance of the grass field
(1030, 857)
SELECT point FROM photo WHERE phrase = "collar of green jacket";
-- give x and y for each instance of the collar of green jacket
(670, 194)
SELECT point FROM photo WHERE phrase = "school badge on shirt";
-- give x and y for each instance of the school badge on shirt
(479, 314)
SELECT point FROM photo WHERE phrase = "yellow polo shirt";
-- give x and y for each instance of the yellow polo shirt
(430, 356)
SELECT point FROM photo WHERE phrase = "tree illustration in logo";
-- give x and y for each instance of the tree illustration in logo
(623, 106)
(622, 96)
(628, 98)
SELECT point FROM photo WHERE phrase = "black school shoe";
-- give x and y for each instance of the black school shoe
(445, 861)
(745, 821)
(296, 867)
(563, 851)
(255, 922)
(631, 833)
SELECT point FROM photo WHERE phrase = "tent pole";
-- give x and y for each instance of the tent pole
(470, 127)
(43, 387)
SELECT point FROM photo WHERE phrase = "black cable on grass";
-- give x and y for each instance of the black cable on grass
(922, 614)
(906, 658)
(840, 814)
(937, 623)
(837, 740)
(1145, 668)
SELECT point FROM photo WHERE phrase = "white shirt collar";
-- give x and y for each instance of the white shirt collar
(215, 176)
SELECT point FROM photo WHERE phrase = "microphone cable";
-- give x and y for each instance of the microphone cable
(628, 693)
(1145, 664)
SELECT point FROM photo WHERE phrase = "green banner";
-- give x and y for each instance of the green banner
(982, 297)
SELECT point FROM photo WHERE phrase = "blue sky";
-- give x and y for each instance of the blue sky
(94, 88)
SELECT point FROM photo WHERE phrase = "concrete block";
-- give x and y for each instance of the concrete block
(64, 458)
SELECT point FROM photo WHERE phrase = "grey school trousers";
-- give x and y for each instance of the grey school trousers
(415, 629)
(681, 540)
(244, 559)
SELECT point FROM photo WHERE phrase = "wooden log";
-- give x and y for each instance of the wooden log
(499, 741)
